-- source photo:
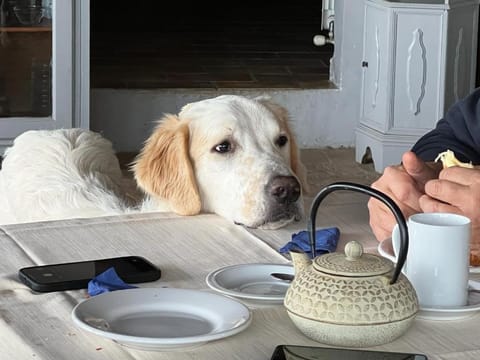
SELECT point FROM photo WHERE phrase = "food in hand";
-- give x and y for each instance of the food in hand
(448, 159)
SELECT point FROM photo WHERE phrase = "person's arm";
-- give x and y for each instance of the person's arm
(458, 131)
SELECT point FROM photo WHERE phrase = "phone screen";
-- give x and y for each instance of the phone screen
(295, 352)
(76, 275)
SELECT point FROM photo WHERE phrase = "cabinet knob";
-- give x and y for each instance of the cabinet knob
(364, 63)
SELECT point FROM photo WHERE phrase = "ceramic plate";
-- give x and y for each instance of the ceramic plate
(452, 313)
(161, 318)
(251, 283)
(385, 249)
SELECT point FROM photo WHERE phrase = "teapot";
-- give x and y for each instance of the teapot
(351, 299)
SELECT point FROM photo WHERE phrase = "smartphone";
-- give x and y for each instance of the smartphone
(76, 275)
(284, 352)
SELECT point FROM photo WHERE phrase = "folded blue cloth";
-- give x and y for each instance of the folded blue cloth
(326, 241)
(106, 282)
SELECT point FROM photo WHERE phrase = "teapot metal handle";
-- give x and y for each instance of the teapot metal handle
(402, 225)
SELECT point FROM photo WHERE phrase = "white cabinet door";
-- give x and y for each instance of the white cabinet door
(376, 74)
(419, 71)
(419, 58)
(42, 45)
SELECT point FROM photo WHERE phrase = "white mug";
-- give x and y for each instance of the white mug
(438, 258)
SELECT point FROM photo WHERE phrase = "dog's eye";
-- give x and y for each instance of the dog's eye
(282, 140)
(223, 147)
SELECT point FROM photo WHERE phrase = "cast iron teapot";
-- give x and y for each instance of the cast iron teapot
(351, 299)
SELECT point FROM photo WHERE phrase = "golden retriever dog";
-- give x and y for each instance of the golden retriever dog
(228, 155)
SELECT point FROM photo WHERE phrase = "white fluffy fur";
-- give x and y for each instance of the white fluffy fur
(73, 173)
(60, 174)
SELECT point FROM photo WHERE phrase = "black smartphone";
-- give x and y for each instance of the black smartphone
(76, 275)
(297, 352)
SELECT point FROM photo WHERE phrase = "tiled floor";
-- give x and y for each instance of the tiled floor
(208, 47)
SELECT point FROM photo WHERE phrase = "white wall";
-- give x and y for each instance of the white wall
(320, 117)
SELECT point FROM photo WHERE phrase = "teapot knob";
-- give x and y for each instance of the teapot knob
(353, 250)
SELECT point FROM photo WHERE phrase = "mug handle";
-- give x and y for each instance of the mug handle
(402, 225)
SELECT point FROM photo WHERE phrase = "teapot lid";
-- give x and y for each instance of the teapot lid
(354, 262)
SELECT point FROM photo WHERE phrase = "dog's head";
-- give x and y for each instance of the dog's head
(229, 155)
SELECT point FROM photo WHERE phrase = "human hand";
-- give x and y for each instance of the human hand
(457, 190)
(405, 185)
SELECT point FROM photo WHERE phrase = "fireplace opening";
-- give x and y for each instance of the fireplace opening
(148, 44)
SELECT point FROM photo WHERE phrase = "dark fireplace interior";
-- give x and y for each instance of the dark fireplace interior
(148, 44)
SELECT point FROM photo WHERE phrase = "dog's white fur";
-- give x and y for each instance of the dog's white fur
(218, 155)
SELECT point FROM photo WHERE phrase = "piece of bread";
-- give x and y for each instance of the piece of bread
(448, 159)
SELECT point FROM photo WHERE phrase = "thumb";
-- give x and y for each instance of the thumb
(417, 168)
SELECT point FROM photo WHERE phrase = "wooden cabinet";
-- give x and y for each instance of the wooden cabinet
(44, 77)
(419, 58)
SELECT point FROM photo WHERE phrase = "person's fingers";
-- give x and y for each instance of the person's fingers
(401, 189)
(448, 196)
(429, 204)
(418, 169)
(442, 193)
(381, 221)
(404, 185)
(381, 234)
(460, 175)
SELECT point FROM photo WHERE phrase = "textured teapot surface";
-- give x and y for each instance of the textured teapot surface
(348, 300)
(356, 299)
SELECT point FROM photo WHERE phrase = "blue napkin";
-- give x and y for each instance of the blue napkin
(326, 241)
(106, 282)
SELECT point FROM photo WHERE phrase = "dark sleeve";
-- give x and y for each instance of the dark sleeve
(458, 131)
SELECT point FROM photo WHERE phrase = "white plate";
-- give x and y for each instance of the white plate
(251, 283)
(385, 249)
(161, 318)
(452, 313)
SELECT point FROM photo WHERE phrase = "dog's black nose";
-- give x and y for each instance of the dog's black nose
(285, 189)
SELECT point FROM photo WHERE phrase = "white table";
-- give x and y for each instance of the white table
(39, 326)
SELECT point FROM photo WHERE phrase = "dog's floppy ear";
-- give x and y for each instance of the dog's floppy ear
(295, 162)
(163, 168)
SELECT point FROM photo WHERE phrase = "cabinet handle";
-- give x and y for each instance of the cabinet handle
(364, 63)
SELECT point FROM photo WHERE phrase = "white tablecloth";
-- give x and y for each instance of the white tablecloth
(39, 326)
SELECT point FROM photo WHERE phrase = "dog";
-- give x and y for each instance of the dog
(228, 155)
